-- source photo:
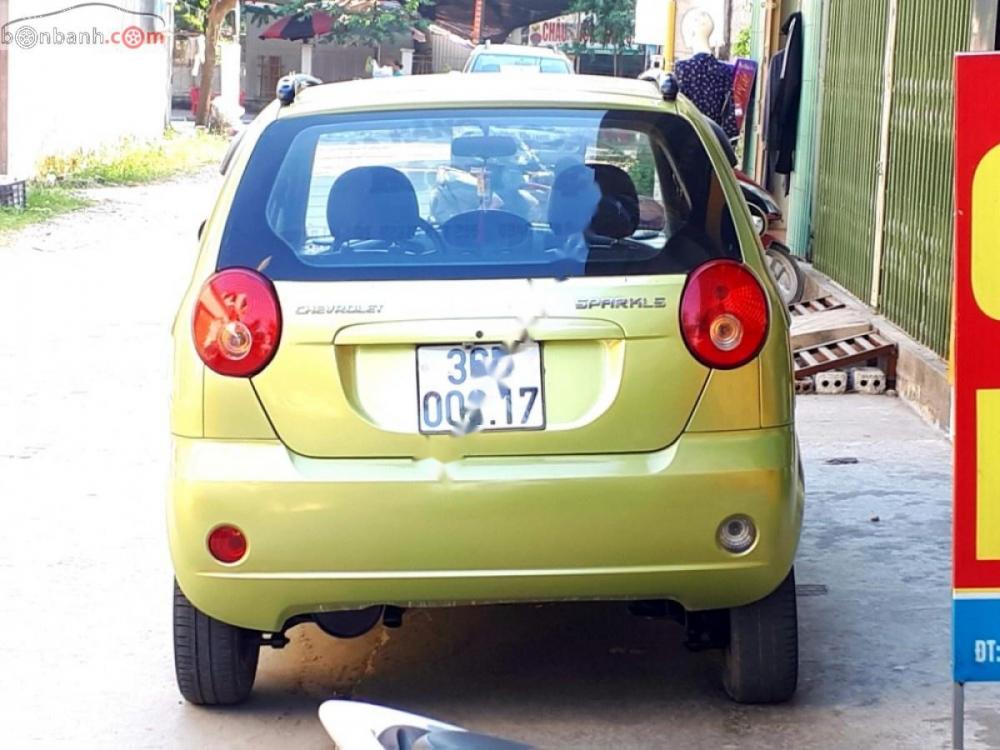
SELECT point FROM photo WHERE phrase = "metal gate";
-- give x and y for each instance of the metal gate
(916, 265)
(849, 142)
(887, 105)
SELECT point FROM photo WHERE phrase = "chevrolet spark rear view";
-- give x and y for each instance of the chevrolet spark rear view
(448, 343)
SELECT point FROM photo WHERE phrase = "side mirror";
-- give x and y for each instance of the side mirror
(201, 228)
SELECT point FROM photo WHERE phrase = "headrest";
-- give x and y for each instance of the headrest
(598, 197)
(373, 203)
(573, 200)
(617, 214)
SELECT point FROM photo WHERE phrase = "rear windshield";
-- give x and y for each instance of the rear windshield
(464, 194)
(501, 63)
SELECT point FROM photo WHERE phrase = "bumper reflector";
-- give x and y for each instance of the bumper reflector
(227, 544)
(737, 534)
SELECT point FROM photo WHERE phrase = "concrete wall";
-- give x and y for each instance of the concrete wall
(67, 96)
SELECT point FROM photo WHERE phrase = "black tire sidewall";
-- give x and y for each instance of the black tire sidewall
(761, 660)
(215, 663)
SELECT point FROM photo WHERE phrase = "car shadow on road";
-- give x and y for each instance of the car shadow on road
(487, 665)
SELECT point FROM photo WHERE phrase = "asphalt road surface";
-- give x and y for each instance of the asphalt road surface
(85, 655)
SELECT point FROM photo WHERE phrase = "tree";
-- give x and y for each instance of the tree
(214, 16)
(189, 15)
(364, 22)
(741, 47)
(609, 23)
(368, 22)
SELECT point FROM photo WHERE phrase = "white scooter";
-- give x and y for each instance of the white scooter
(364, 726)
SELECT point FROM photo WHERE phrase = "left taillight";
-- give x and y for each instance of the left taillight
(237, 322)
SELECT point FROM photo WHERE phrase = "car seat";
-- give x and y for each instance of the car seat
(374, 203)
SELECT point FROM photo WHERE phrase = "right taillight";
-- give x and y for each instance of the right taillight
(724, 314)
(237, 322)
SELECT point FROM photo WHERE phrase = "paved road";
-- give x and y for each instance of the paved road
(85, 656)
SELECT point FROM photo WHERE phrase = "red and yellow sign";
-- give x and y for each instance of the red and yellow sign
(977, 370)
(554, 32)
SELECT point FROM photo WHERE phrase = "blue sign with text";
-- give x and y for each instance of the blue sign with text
(976, 634)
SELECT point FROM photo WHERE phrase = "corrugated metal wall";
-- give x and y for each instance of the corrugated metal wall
(914, 272)
(849, 142)
(448, 52)
(917, 255)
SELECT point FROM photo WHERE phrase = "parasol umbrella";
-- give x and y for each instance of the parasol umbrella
(300, 27)
(314, 24)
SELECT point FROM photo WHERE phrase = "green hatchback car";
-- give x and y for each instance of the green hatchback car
(450, 343)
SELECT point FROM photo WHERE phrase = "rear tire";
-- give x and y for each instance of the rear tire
(215, 662)
(762, 658)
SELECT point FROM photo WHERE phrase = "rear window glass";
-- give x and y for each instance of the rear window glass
(496, 63)
(453, 194)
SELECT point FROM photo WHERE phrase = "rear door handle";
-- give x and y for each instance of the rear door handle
(478, 329)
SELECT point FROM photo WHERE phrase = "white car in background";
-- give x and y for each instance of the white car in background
(516, 58)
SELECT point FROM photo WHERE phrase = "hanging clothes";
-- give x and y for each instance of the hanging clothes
(783, 112)
(773, 81)
(198, 56)
(708, 83)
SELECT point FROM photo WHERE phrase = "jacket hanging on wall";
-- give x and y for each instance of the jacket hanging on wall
(773, 79)
(785, 92)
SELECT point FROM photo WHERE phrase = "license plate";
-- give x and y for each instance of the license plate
(479, 387)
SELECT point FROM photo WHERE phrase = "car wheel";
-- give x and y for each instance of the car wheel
(762, 658)
(215, 662)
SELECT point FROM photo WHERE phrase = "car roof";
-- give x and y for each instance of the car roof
(466, 90)
(518, 49)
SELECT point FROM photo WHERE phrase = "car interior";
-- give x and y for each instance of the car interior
(533, 201)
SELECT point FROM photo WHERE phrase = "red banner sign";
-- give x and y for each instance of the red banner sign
(743, 78)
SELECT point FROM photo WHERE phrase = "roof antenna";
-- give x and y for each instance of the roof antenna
(669, 87)
(666, 84)
(290, 86)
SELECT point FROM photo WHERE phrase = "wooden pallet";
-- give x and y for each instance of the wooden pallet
(820, 304)
(854, 350)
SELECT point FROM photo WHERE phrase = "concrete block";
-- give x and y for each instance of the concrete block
(831, 382)
(867, 380)
(804, 385)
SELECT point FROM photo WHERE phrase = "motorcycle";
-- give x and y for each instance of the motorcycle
(765, 211)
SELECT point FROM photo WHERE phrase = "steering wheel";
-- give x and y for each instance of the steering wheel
(396, 246)
(433, 235)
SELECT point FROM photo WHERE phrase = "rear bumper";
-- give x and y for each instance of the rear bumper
(346, 533)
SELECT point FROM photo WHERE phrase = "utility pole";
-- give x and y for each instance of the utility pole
(670, 36)
(477, 21)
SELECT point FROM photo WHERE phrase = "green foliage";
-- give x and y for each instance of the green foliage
(609, 23)
(43, 202)
(643, 172)
(637, 162)
(741, 47)
(366, 24)
(132, 162)
(189, 15)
